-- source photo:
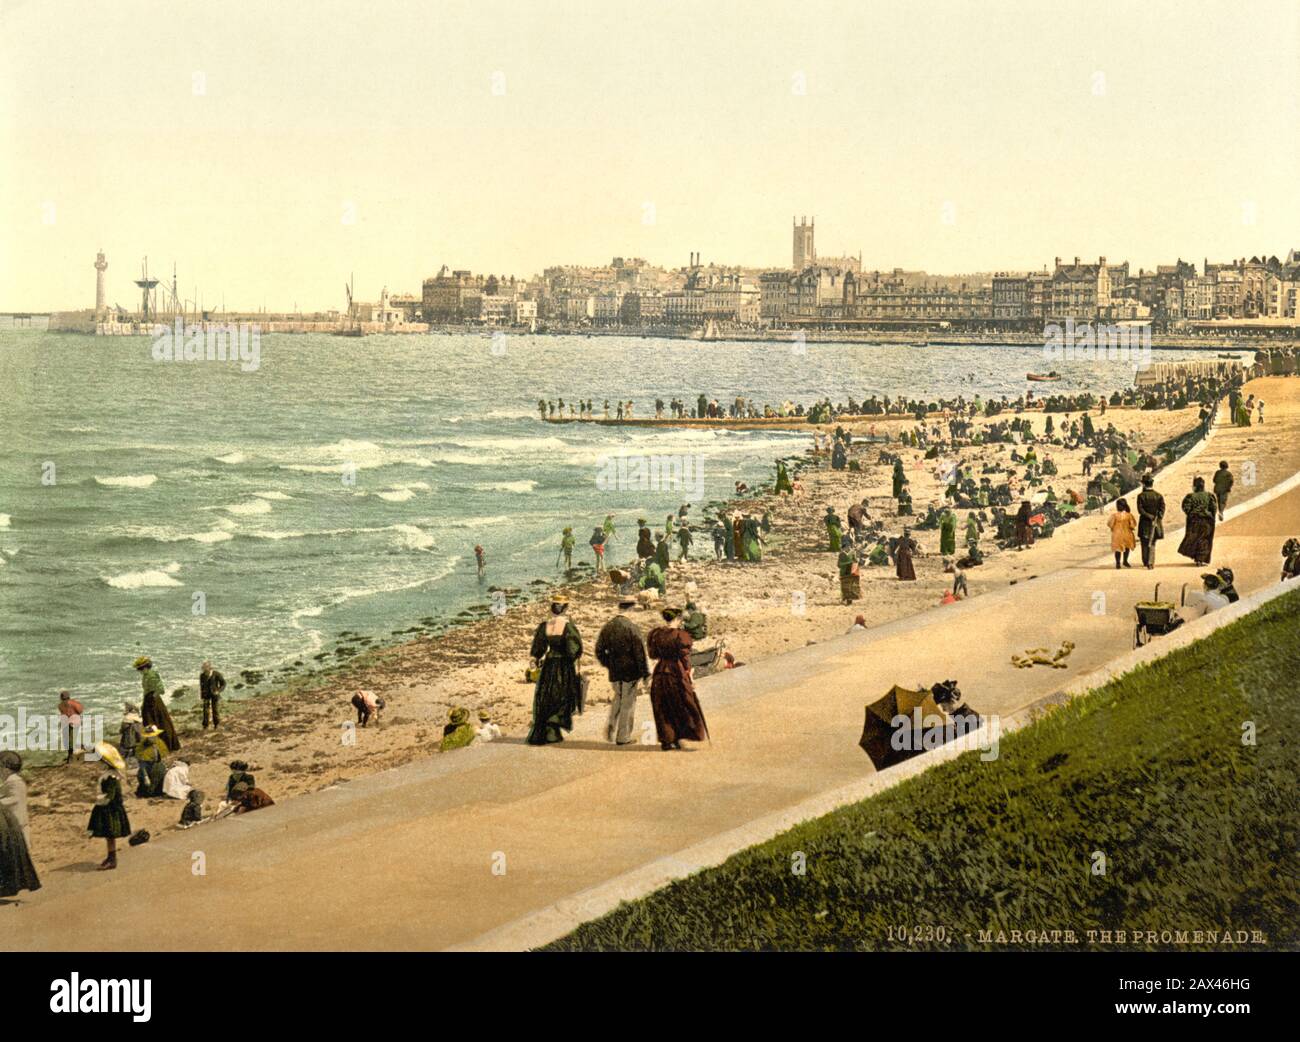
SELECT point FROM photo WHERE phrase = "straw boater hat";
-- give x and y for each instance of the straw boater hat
(143, 662)
(561, 599)
(110, 756)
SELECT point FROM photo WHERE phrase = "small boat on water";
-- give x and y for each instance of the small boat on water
(1043, 377)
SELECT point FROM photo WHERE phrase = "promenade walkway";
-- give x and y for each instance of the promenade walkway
(444, 852)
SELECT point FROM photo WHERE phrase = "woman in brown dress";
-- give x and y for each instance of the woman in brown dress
(903, 556)
(678, 715)
(1024, 530)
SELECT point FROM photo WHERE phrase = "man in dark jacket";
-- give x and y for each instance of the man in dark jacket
(1222, 485)
(1151, 515)
(621, 650)
(211, 684)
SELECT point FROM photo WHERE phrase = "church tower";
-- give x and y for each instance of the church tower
(805, 253)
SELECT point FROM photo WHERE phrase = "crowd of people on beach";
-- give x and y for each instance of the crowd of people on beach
(146, 744)
(1191, 388)
(1011, 505)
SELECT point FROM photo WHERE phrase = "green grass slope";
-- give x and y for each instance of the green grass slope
(1155, 772)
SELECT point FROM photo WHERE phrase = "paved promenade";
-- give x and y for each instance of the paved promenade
(440, 853)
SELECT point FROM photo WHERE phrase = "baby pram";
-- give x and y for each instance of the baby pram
(1155, 617)
(706, 656)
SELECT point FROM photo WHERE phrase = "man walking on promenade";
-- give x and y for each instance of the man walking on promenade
(1151, 515)
(211, 684)
(621, 650)
(1222, 485)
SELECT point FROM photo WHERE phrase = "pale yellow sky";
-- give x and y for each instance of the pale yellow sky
(236, 138)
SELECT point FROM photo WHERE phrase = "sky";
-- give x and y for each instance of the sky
(269, 151)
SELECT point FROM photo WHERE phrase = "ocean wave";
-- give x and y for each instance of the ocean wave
(511, 445)
(322, 532)
(168, 535)
(231, 457)
(510, 414)
(127, 481)
(413, 538)
(463, 459)
(363, 455)
(526, 485)
(272, 495)
(4, 520)
(404, 490)
(355, 592)
(152, 577)
(253, 506)
(481, 522)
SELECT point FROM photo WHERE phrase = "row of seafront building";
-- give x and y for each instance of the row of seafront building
(631, 295)
(830, 295)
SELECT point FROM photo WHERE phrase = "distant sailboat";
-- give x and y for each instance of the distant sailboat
(354, 329)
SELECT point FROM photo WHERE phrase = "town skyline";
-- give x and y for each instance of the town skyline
(962, 140)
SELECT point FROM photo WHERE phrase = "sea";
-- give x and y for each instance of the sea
(253, 516)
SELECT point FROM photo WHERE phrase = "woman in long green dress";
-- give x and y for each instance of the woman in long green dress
(557, 645)
(783, 484)
(948, 534)
(1201, 508)
(753, 541)
(834, 528)
(153, 710)
(108, 820)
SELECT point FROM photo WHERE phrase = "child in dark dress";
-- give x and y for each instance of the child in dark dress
(192, 812)
(108, 820)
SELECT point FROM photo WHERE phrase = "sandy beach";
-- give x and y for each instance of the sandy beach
(295, 737)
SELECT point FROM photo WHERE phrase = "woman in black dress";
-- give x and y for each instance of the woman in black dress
(108, 820)
(16, 869)
(557, 645)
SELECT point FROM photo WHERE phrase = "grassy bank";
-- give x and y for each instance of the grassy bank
(1198, 828)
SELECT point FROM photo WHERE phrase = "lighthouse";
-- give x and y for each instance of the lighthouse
(100, 266)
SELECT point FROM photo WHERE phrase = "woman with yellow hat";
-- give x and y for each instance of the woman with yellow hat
(151, 751)
(557, 645)
(108, 820)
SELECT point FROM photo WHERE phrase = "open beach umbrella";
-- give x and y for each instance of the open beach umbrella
(890, 733)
